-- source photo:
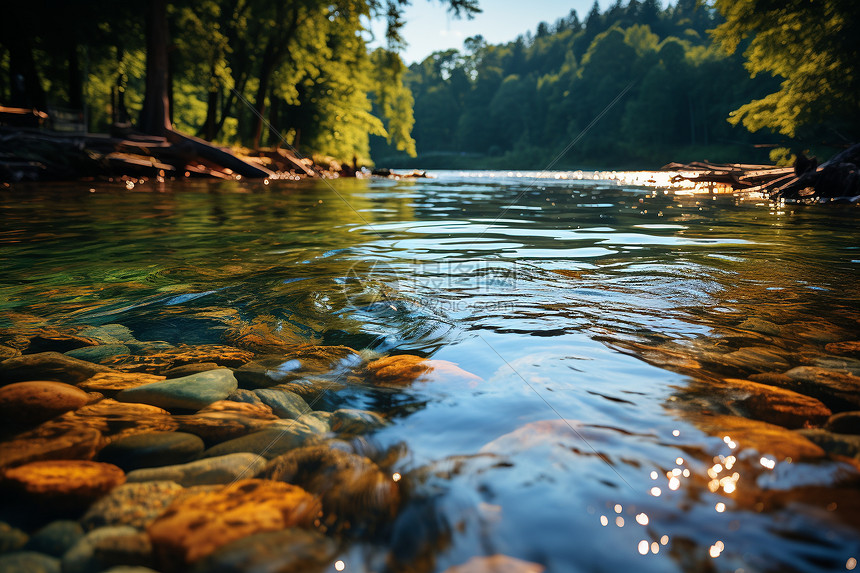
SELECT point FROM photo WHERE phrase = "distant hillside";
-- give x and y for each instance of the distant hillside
(519, 105)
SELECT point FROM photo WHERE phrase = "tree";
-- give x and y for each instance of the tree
(814, 47)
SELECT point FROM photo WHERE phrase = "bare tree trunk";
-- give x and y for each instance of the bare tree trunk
(155, 115)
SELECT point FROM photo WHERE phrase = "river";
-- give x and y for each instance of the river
(599, 319)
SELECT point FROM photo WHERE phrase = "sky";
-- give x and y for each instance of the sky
(429, 27)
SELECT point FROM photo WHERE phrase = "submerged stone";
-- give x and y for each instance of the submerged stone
(756, 359)
(844, 423)
(51, 442)
(66, 482)
(47, 366)
(100, 353)
(56, 538)
(108, 333)
(115, 381)
(403, 370)
(302, 361)
(496, 564)
(351, 422)
(108, 546)
(28, 562)
(7, 352)
(152, 449)
(117, 419)
(762, 437)
(11, 538)
(189, 393)
(189, 369)
(275, 440)
(760, 326)
(839, 390)
(216, 470)
(56, 342)
(291, 550)
(774, 405)
(31, 403)
(355, 492)
(847, 348)
(839, 444)
(134, 504)
(197, 525)
(283, 403)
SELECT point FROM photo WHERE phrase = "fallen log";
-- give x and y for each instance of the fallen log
(199, 148)
(835, 179)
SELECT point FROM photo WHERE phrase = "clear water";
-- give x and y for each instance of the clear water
(562, 295)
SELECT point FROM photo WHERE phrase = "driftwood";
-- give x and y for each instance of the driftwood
(835, 179)
(40, 154)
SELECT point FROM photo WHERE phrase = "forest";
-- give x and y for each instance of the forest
(636, 85)
(677, 77)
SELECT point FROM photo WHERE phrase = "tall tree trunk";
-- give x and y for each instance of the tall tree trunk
(267, 68)
(155, 115)
(76, 84)
(25, 86)
(208, 132)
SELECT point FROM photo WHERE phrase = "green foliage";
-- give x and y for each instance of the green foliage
(814, 48)
(530, 98)
(302, 66)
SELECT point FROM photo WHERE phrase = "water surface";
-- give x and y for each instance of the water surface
(593, 311)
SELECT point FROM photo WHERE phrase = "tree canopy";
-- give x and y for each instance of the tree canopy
(814, 48)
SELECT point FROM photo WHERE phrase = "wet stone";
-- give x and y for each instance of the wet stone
(51, 443)
(496, 564)
(847, 348)
(116, 419)
(65, 482)
(7, 352)
(319, 422)
(277, 439)
(189, 369)
(116, 381)
(844, 423)
(303, 361)
(314, 390)
(767, 439)
(190, 392)
(348, 421)
(760, 326)
(216, 470)
(100, 353)
(215, 427)
(108, 333)
(756, 359)
(58, 343)
(31, 403)
(839, 444)
(838, 390)
(292, 550)
(152, 449)
(11, 538)
(257, 410)
(28, 562)
(197, 525)
(261, 337)
(403, 370)
(47, 366)
(56, 538)
(774, 405)
(247, 396)
(355, 492)
(283, 403)
(148, 346)
(134, 504)
(105, 547)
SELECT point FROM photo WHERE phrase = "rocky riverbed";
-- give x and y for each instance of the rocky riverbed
(129, 455)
